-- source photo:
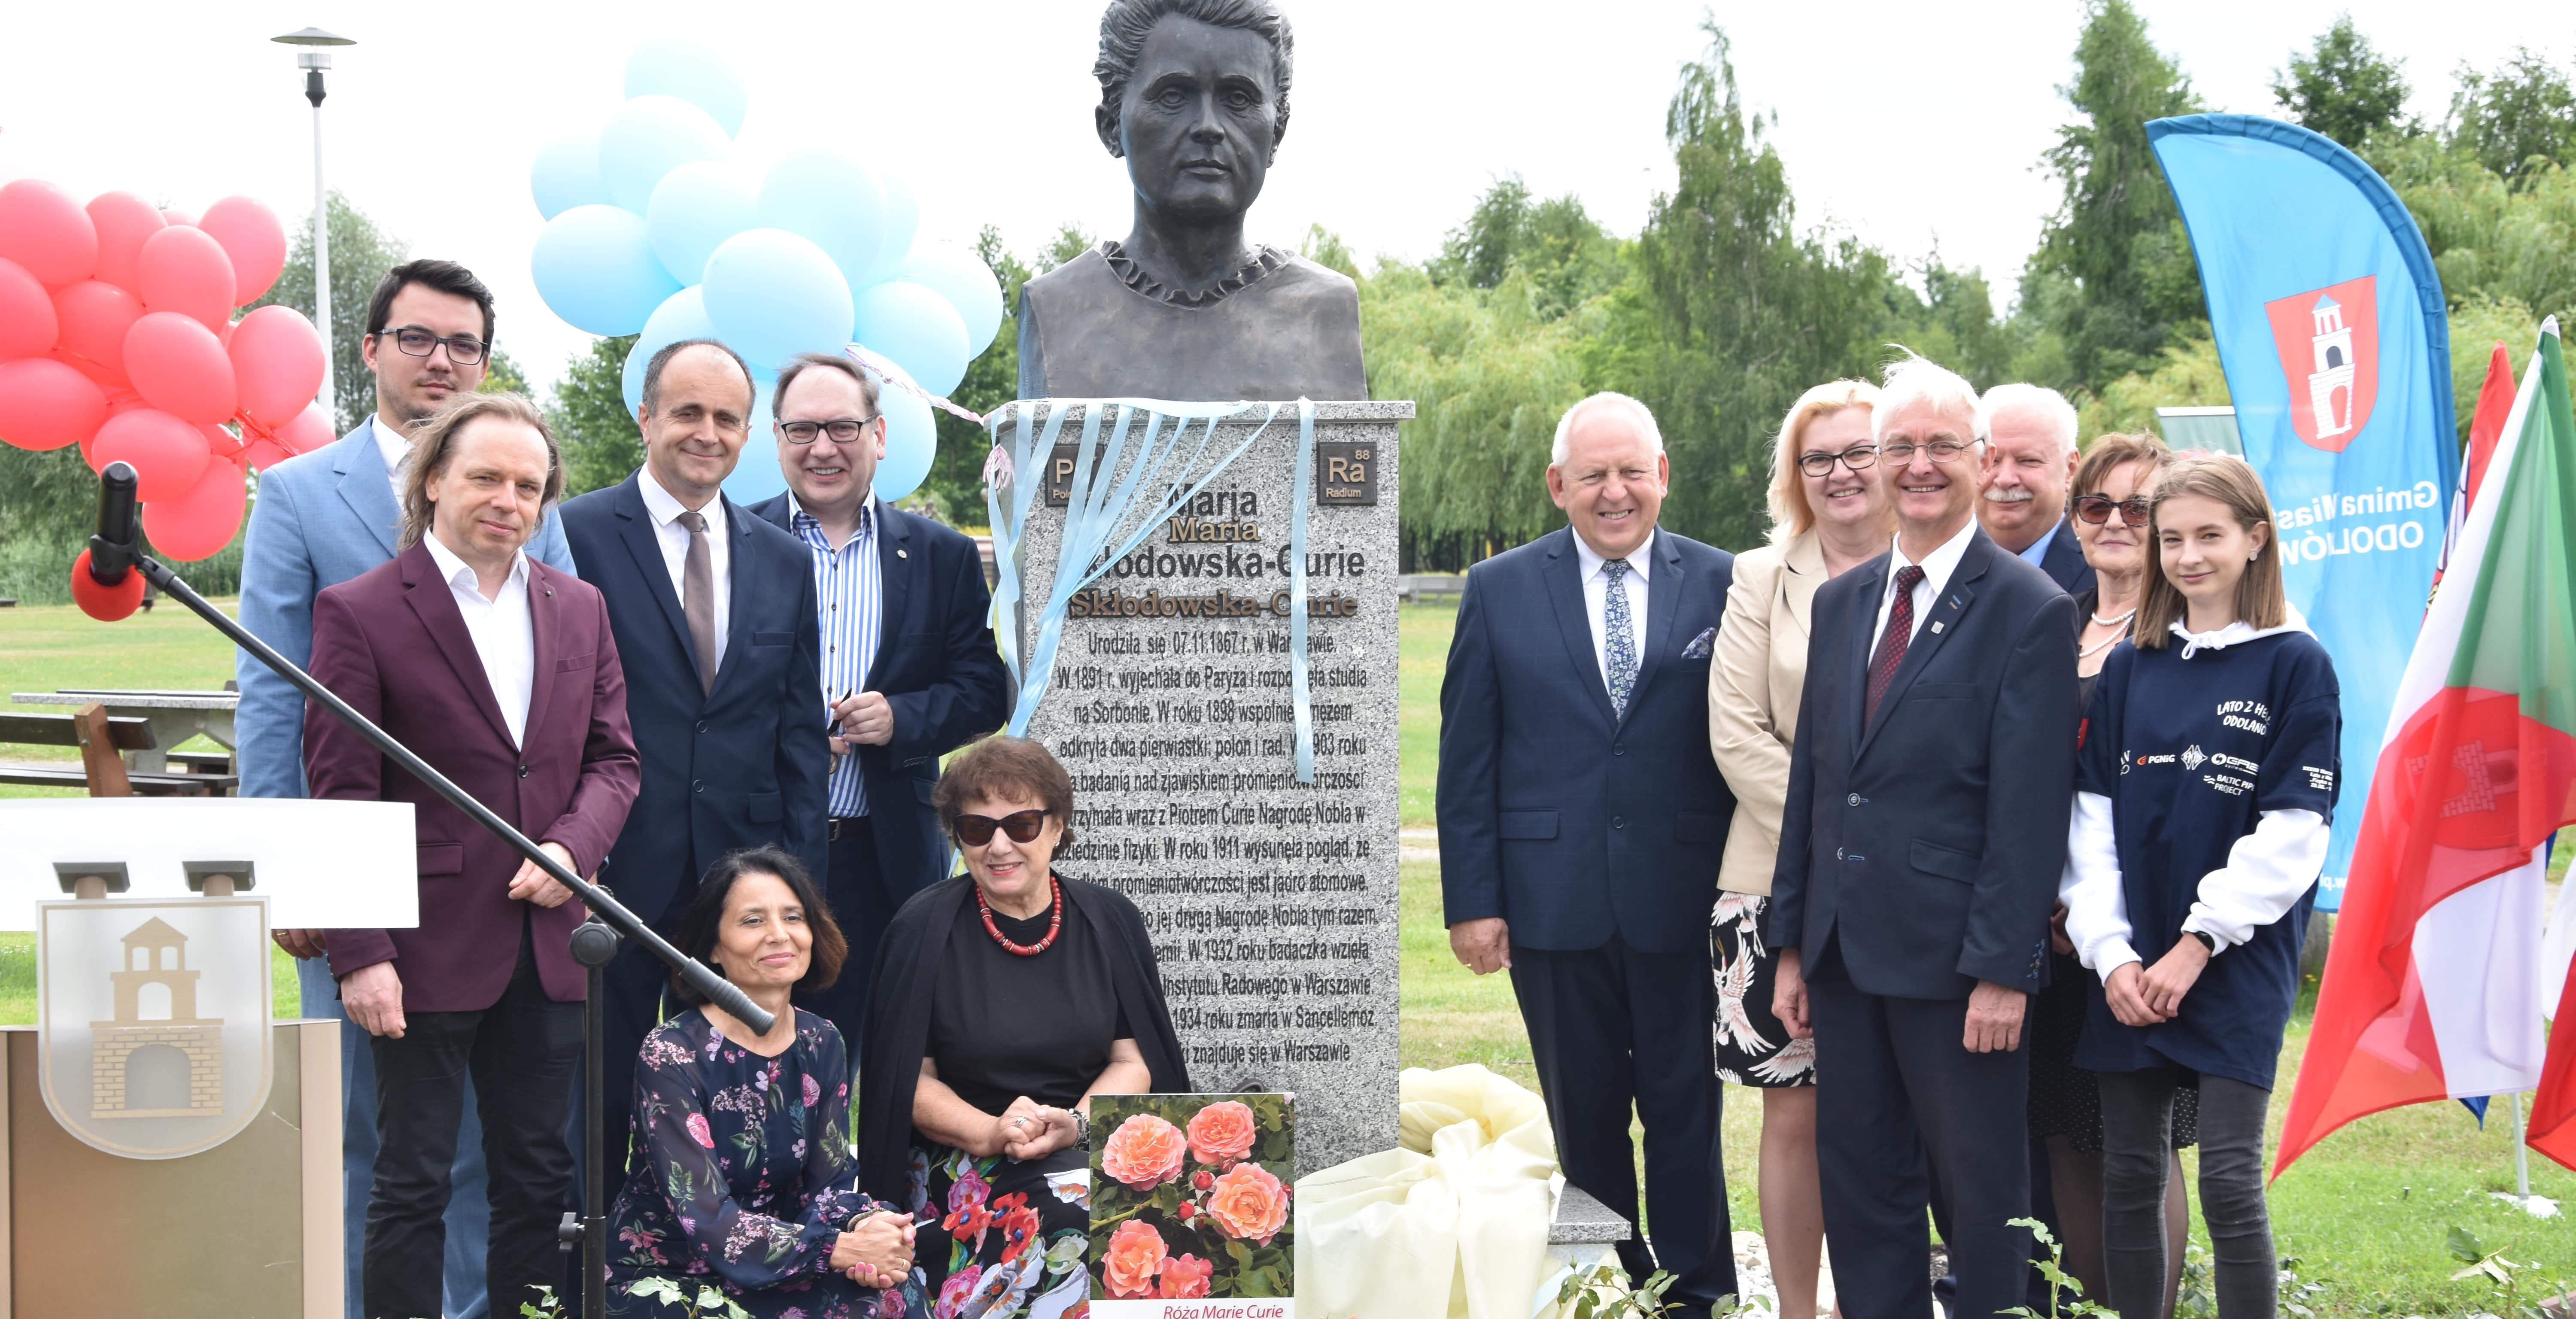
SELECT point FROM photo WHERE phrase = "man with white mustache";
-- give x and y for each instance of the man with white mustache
(910, 672)
(2029, 465)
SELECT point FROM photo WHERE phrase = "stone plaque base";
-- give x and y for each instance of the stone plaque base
(1272, 903)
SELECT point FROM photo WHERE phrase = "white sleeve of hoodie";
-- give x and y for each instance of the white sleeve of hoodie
(2266, 872)
(2097, 911)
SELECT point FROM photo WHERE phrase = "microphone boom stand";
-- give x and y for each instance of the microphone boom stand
(594, 942)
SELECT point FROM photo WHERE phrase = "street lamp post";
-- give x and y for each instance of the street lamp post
(313, 55)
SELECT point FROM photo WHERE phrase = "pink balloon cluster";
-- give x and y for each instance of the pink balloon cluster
(117, 334)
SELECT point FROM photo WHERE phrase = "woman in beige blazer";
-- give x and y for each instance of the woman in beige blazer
(1828, 514)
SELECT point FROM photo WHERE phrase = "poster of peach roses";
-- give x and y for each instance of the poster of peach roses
(1189, 1201)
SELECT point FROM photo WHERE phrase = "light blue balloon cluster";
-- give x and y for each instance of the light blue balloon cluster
(654, 228)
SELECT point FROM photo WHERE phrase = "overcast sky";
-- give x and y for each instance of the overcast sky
(1905, 123)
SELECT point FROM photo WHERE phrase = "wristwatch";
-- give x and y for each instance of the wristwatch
(2205, 941)
(1081, 1127)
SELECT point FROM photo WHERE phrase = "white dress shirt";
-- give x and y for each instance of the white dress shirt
(665, 510)
(1596, 598)
(1937, 567)
(504, 637)
(395, 448)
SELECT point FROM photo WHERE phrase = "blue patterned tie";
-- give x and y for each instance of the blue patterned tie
(1618, 636)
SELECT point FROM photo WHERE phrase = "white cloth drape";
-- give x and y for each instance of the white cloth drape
(1452, 1223)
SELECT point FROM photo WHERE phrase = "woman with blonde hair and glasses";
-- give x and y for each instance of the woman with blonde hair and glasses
(1829, 514)
(2205, 788)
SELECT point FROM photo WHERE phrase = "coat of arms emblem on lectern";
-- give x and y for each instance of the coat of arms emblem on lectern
(155, 1021)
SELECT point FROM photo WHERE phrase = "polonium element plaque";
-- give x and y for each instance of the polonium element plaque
(154, 1021)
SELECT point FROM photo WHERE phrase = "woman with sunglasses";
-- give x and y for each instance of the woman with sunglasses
(1004, 999)
(2109, 512)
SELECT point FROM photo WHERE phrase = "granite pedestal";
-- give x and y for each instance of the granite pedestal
(1272, 903)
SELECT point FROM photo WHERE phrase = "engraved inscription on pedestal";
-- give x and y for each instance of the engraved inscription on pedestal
(1272, 903)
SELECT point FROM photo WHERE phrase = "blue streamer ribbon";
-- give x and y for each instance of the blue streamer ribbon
(1297, 500)
(1099, 507)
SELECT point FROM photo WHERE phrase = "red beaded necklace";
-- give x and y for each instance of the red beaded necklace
(1055, 923)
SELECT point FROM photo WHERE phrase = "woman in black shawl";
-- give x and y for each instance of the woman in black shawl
(1004, 999)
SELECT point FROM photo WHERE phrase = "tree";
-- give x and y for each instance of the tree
(1731, 313)
(601, 446)
(2344, 88)
(2515, 117)
(1566, 256)
(956, 481)
(1488, 380)
(360, 256)
(501, 375)
(2128, 284)
(2185, 375)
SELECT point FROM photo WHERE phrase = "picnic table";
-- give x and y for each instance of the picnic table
(175, 717)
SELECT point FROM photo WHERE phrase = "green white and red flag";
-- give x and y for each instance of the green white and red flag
(2435, 985)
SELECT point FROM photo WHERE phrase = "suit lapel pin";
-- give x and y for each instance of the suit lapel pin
(1936, 628)
(903, 554)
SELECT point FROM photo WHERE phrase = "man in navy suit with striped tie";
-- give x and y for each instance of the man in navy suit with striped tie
(1581, 821)
(909, 668)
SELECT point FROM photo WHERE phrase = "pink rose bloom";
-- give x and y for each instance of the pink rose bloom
(1186, 1277)
(1133, 1260)
(697, 1124)
(968, 1191)
(813, 1092)
(953, 1296)
(1249, 1203)
(1222, 1132)
(1143, 1153)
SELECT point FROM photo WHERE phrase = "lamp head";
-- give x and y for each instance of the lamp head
(313, 46)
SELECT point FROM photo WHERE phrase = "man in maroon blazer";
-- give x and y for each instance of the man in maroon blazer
(501, 672)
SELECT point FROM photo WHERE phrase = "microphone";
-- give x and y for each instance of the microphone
(113, 551)
(104, 582)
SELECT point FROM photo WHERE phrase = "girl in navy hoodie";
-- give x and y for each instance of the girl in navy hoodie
(2205, 791)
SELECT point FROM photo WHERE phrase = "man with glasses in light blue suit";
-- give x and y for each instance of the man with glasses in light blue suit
(321, 519)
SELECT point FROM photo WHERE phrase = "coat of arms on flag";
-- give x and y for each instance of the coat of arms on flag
(2328, 340)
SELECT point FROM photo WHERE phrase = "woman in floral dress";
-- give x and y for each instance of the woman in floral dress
(1005, 999)
(743, 1177)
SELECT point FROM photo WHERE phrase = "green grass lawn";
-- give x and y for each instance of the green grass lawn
(2365, 1213)
(45, 647)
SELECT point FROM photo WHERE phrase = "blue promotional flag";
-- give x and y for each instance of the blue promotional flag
(2329, 320)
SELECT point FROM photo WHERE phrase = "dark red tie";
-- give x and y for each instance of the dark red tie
(1891, 643)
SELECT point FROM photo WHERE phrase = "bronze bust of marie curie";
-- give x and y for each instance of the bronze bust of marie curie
(1194, 96)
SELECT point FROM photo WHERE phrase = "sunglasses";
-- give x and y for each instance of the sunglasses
(1022, 826)
(2096, 509)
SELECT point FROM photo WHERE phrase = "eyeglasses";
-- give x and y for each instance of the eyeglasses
(1858, 458)
(1942, 451)
(2096, 509)
(462, 349)
(841, 429)
(1022, 826)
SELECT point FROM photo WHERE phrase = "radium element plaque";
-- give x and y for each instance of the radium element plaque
(1272, 902)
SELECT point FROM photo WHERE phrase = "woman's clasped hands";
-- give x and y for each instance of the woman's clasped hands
(876, 1250)
(1031, 1130)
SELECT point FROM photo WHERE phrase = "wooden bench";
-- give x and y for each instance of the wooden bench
(101, 769)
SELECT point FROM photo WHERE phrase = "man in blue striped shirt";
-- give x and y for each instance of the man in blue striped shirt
(908, 664)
